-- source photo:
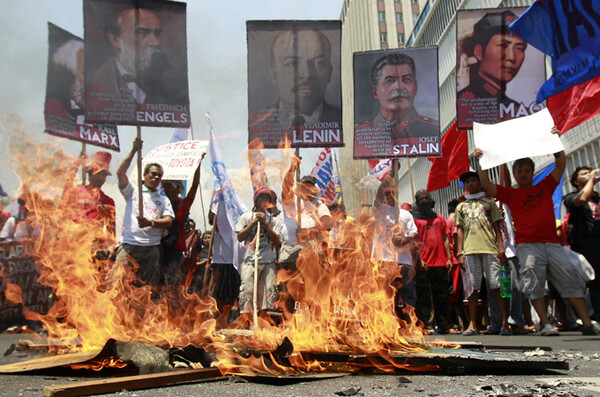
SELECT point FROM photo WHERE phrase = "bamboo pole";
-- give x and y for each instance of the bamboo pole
(298, 200)
(395, 167)
(83, 173)
(139, 172)
(205, 280)
(255, 290)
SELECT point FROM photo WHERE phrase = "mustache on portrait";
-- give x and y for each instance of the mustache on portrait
(402, 94)
(308, 83)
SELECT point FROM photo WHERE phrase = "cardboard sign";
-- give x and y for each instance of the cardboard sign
(65, 96)
(136, 63)
(396, 103)
(497, 73)
(514, 139)
(294, 83)
(179, 160)
(17, 267)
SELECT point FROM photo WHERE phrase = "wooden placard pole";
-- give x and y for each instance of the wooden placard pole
(412, 186)
(255, 290)
(395, 167)
(206, 279)
(298, 200)
(83, 173)
(139, 172)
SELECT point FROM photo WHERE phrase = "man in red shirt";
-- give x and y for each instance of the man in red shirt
(435, 256)
(174, 244)
(538, 246)
(89, 203)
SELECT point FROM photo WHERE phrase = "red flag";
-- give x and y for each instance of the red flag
(373, 163)
(454, 160)
(576, 105)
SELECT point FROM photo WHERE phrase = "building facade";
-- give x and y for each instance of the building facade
(368, 25)
(374, 24)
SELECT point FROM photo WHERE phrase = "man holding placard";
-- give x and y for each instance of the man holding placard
(140, 238)
(538, 246)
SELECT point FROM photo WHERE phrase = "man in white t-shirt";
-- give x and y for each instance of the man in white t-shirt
(140, 237)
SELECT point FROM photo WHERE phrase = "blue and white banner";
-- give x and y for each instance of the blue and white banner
(569, 32)
(257, 161)
(225, 193)
(374, 178)
(327, 174)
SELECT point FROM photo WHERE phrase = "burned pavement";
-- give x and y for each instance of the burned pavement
(581, 379)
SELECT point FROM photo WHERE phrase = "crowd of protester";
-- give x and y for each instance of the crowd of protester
(449, 271)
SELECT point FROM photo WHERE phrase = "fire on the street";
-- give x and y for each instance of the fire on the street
(343, 302)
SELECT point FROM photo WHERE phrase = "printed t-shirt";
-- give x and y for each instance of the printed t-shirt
(155, 207)
(476, 217)
(532, 210)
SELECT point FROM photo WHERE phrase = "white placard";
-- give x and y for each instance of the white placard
(179, 159)
(514, 139)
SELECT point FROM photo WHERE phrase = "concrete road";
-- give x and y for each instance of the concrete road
(582, 379)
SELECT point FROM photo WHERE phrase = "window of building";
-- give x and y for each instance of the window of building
(383, 37)
(381, 16)
(398, 17)
(415, 18)
(400, 38)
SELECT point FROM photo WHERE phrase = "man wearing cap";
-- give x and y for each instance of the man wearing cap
(500, 53)
(395, 87)
(140, 238)
(480, 247)
(269, 240)
(89, 202)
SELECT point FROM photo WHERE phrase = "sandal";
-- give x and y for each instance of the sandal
(505, 331)
(470, 332)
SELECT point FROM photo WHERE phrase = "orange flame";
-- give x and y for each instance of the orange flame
(344, 302)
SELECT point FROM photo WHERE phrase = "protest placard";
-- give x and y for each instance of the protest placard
(17, 268)
(179, 159)
(294, 83)
(514, 139)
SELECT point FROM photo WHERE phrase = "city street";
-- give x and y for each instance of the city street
(582, 379)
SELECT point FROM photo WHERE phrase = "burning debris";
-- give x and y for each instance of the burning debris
(343, 303)
(343, 317)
